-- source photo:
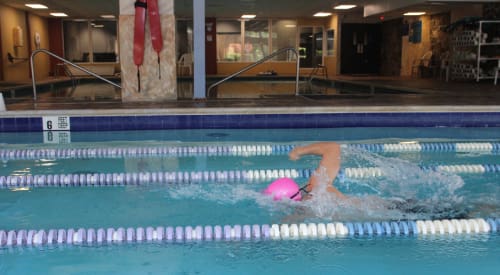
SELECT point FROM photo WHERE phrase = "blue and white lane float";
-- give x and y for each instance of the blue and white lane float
(233, 150)
(230, 176)
(275, 232)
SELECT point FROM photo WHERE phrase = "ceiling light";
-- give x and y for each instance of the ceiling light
(98, 26)
(108, 16)
(58, 14)
(248, 16)
(322, 14)
(37, 6)
(290, 26)
(414, 13)
(344, 7)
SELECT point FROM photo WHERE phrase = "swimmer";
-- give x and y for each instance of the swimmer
(330, 163)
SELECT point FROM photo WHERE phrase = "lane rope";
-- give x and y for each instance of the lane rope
(228, 176)
(274, 232)
(232, 150)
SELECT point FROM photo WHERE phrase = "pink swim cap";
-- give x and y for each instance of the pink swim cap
(284, 188)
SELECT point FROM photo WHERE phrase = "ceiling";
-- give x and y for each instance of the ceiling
(221, 8)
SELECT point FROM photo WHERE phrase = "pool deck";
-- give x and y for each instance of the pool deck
(423, 95)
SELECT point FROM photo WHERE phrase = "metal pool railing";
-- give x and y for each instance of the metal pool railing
(275, 232)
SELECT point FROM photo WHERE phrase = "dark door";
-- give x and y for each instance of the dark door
(360, 49)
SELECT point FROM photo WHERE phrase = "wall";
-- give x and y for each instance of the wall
(282, 68)
(491, 11)
(19, 70)
(469, 10)
(152, 88)
(42, 61)
(390, 54)
(440, 39)
(56, 43)
(332, 63)
(411, 53)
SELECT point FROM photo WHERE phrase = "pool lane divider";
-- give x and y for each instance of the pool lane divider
(233, 150)
(275, 232)
(229, 176)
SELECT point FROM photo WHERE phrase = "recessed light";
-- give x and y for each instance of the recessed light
(290, 26)
(248, 16)
(37, 6)
(344, 7)
(322, 14)
(58, 14)
(414, 13)
(108, 16)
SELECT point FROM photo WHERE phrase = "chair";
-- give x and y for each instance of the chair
(419, 64)
(186, 61)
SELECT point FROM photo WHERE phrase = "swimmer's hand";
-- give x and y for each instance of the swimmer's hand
(294, 154)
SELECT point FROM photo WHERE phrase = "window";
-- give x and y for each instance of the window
(252, 40)
(184, 37)
(284, 35)
(76, 41)
(104, 43)
(311, 47)
(90, 41)
(229, 40)
(256, 40)
(330, 39)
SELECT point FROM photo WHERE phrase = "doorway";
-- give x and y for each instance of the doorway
(311, 46)
(360, 48)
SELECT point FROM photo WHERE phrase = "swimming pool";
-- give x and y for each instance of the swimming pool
(130, 180)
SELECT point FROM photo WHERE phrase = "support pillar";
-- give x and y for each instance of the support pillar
(152, 88)
(199, 49)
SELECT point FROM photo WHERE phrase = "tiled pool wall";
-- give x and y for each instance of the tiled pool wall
(251, 121)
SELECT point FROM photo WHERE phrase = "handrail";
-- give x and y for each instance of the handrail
(260, 62)
(35, 52)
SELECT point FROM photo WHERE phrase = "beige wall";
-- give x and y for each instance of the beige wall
(20, 70)
(332, 63)
(411, 53)
(11, 18)
(42, 63)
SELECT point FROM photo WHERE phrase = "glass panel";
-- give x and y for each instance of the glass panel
(76, 41)
(184, 37)
(256, 40)
(284, 34)
(104, 42)
(311, 46)
(330, 36)
(228, 40)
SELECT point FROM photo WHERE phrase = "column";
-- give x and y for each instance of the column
(152, 87)
(199, 49)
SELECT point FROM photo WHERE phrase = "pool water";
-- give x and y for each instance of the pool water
(230, 202)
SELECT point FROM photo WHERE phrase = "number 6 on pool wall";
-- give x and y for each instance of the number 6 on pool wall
(56, 123)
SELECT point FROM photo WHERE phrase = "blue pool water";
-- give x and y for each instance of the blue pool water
(230, 202)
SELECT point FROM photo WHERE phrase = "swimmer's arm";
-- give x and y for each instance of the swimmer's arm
(319, 148)
(330, 152)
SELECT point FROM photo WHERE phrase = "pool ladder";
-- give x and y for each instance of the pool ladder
(32, 59)
(280, 51)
